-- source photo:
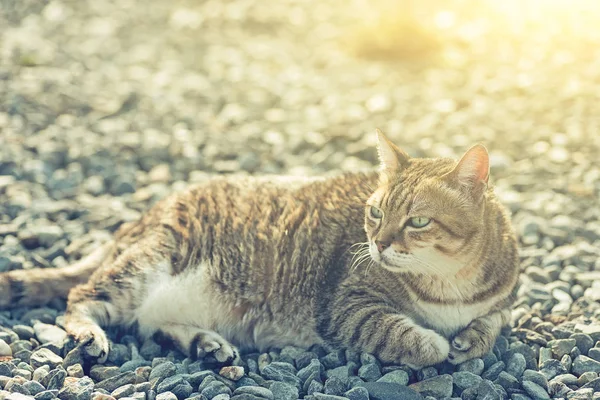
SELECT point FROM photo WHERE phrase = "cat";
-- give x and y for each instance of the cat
(415, 263)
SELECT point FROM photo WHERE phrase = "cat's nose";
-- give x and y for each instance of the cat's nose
(381, 245)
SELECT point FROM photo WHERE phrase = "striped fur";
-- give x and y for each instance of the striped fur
(261, 262)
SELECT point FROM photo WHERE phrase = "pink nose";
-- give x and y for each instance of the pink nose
(381, 246)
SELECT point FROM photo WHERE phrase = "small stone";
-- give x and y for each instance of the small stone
(586, 377)
(232, 372)
(169, 383)
(45, 357)
(75, 371)
(398, 376)
(54, 379)
(551, 368)
(162, 371)
(474, 366)
(594, 353)
(584, 342)
(166, 396)
(516, 365)
(545, 354)
(583, 364)
(439, 386)
(493, 371)
(34, 387)
(507, 381)
(257, 391)
(463, 380)
(334, 359)
(485, 390)
(334, 386)
(214, 388)
(5, 350)
(535, 377)
(594, 384)
(99, 372)
(123, 391)
(357, 393)
(46, 395)
(390, 391)
(116, 381)
(369, 372)
(25, 332)
(77, 389)
(566, 362)
(40, 373)
(560, 347)
(567, 379)
(426, 373)
(47, 333)
(284, 391)
(535, 391)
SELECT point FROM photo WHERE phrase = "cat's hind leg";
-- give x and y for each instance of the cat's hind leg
(200, 343)
(109, 297)
(83, 320)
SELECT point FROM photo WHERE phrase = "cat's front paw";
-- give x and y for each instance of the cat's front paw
(425, 347)
(469, 344)
(94, 344)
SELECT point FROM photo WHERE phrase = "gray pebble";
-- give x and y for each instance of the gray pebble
(256, 391)
(398, 376)
(562, 347)
(45, 357)
(535, 377)
(166, 396)
(357, 393)
(369, 372)
(516, 365)
(493, 371)
(47, 333)
(116, 381)
(463, 380)
(583, 364)
(439, 386)
(474, 366)
(123, 391)
(77, 389)
(284, 391)
(584, 342)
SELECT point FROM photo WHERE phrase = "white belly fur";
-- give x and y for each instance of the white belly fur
(189, 299)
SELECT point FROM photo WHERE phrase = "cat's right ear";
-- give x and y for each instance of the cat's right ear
(391, 158)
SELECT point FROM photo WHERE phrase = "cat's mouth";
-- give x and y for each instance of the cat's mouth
(388, 262)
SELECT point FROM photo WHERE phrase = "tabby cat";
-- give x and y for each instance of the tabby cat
(275, 261)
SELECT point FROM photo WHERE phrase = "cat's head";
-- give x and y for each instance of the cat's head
(426, 216)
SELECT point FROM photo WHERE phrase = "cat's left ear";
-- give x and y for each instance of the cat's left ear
(473, 170)
(392, 159)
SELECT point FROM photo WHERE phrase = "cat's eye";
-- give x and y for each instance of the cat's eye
(376, 212)
(419, 222)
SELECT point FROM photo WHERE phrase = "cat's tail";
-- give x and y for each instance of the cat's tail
(38, 286)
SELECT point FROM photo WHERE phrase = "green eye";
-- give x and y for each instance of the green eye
(376, 212)
(419, 222)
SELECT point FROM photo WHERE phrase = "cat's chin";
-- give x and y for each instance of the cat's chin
(393, 268)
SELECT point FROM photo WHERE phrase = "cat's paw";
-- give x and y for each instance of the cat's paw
(467, 345)
(426, 347)
(212, 344)
(94, 344)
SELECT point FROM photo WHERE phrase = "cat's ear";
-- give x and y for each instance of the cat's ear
(473, 170)
(391, 158)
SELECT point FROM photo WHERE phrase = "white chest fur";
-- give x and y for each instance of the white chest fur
(449, 319)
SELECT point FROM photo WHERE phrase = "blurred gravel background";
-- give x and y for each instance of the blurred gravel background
(106, 106)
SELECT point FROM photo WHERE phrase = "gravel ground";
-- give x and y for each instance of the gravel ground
(107, 106)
